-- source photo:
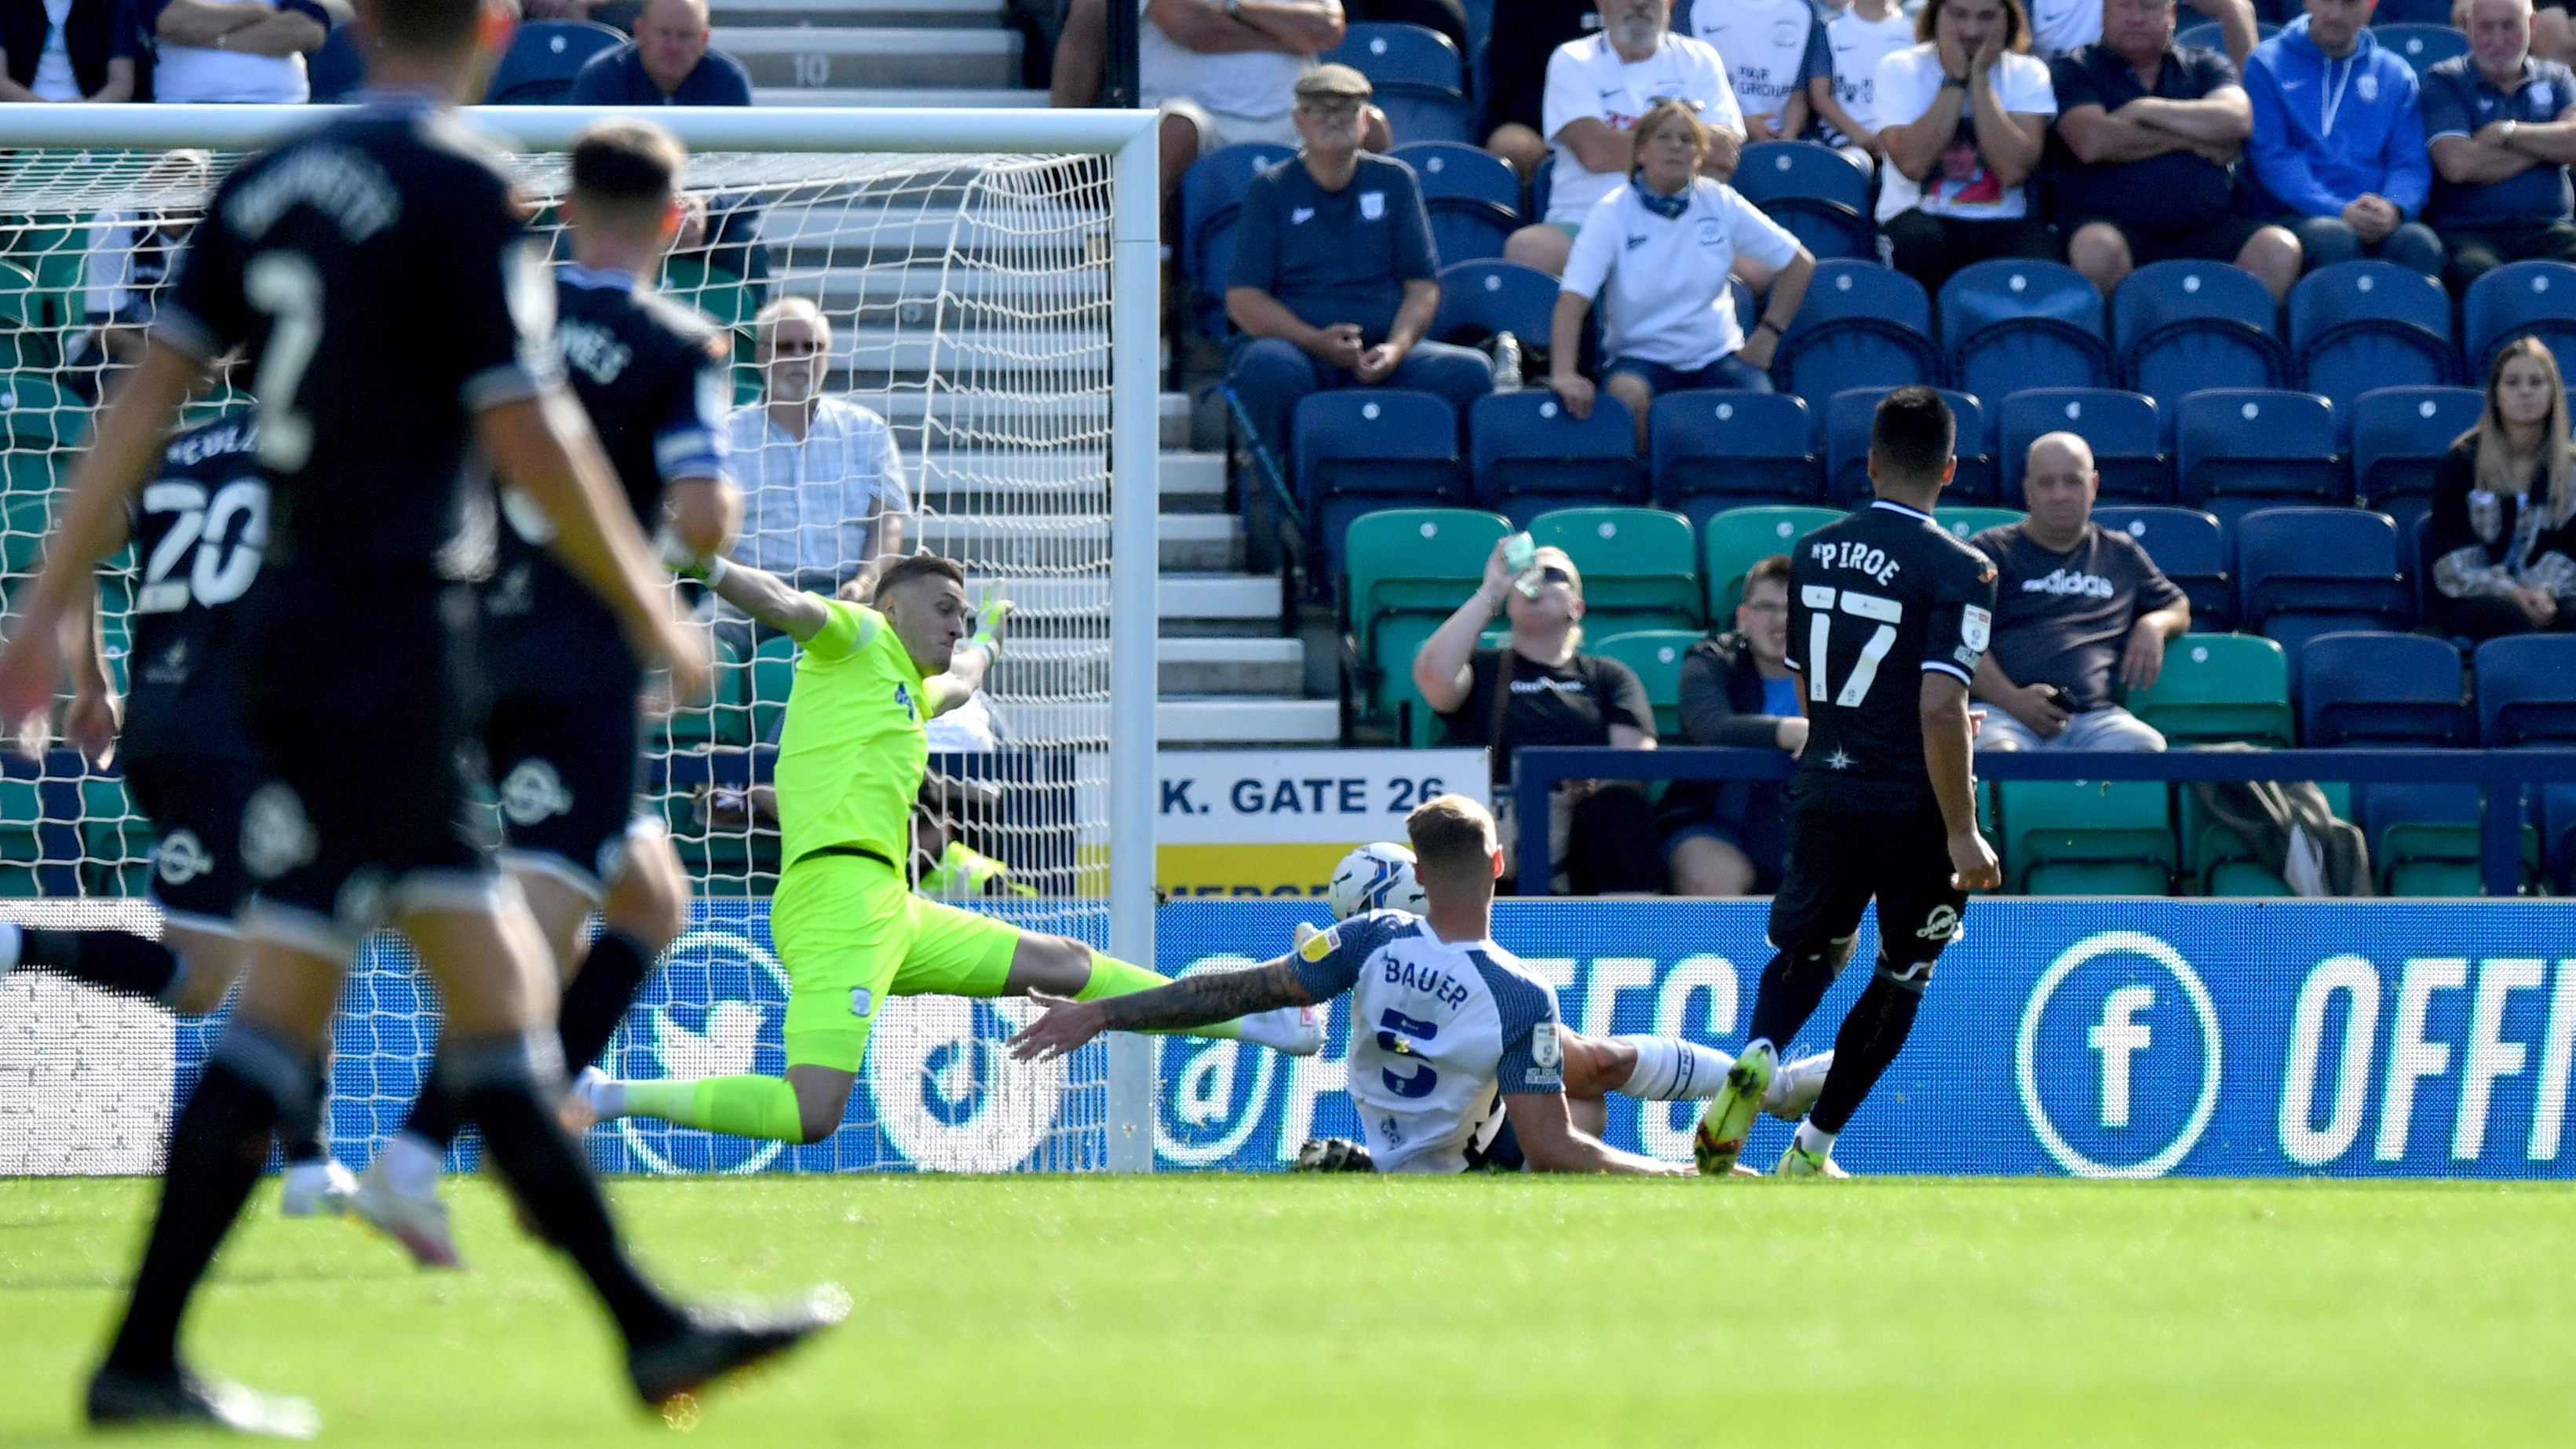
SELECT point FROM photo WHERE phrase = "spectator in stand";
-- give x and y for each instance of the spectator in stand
(1730, 838)
(1334, 279)
(1525, 36)
(1537, 690)
(241, 51)
(127, 261)
(2502, 535)
(1963, 114)
(1596, 91)
(1222, 72)
(2338, 147)
(2148, 138)
(2551, 36)
(666, 64)
(2075, 603)
(68, 50)
(2496, 123)
(823, 492)
(1767, 46)
(1842, 90)
(1658, 252)
(2063, 27)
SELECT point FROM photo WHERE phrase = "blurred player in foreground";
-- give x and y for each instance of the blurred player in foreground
(1443, 1021)
(851, 756)
(563, 736)
(378, 271)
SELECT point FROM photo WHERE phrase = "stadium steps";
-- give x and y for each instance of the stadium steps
(1212, 720)
(893, 96)
(1272, 667)
(874, 56)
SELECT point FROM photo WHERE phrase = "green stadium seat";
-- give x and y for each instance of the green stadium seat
(214, 404)
(2427, 859)
(730, 300)
(1403, 571)
(57, 256)
(723, 719)
(21, 814)
(2087, 837)
(116, 841)
(1636, 563)
(1967, 521)
(24, 517)
(1732, 542)
(1656, 655)
(40, 415)
(2223, 861)
(772, 675)
(28, 341)
(2220, 687)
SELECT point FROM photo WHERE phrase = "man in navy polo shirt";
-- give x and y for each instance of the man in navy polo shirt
(2495, 121)
(1334, 278)
(666, 64)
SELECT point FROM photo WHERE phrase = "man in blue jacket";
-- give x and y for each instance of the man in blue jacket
(2338, 146)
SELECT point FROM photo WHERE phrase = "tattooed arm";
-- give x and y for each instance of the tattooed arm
(1200, 1000)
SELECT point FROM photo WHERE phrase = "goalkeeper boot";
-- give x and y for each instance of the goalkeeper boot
(1729, 1118)
(417, 1221)
(1797, 1085)
(181, 1399)
(1333, 1154)
(318, 1189)
(716, 1344)
(1799, 1161)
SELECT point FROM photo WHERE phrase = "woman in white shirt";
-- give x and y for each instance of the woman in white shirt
(1657, 252)
(1962, 115)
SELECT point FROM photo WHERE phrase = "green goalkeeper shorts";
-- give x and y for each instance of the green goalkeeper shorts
(851, 933)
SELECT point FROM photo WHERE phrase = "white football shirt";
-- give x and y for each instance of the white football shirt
(1661, 283)
(1439, 1030)
(1764, 45)
(1587, 78)
(2060, 27)
(1858, 46)
(1254, 84)
(1960, 185)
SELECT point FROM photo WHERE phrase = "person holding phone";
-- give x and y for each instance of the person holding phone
(2081, 613)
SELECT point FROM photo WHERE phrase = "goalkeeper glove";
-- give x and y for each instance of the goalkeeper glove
(991, 615)
(687, 562)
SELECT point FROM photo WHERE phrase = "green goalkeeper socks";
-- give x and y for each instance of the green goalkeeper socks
(763, 1107)
(1113, 977)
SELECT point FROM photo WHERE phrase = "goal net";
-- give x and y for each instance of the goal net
(970, 293)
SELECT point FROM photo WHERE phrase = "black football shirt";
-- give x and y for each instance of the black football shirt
(199, 530)
(1875, 601)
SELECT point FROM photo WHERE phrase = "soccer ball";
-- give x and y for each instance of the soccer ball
(1376, 877)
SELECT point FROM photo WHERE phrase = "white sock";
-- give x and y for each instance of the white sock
(1795, 1087)
(308, 1176)
(412, 1165)
(1278, 1029)
(607, 1095)
(1815, 1139)
(1672, 1070)
(12, 941)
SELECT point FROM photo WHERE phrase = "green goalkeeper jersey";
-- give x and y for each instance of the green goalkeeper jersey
(854, 747)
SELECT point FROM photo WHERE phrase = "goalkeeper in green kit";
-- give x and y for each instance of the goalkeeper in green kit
(847, 925)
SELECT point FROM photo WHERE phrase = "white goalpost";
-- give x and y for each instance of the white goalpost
(992, 282)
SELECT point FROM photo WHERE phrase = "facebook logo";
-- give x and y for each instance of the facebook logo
(2119, 1057)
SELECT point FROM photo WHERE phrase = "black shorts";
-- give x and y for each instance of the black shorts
(196, 804)
(567, 770)
(2219, 241)
(1841, 860)
(356, 691)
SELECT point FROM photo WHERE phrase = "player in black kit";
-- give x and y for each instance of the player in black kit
(379, 274)
(1888, 615)
(562, 735)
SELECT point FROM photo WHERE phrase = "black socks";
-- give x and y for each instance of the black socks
(119, 961)
(1790, 989)
(593, 1005)
(1870, 1038)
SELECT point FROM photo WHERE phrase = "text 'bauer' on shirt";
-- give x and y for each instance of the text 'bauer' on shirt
(1665, 275)
(1439, 1029)
(1587, 79)
(806, 504)
(1335, 256)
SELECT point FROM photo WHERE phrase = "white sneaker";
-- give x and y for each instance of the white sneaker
(1729, 1117)
(1794, 1091)
(1296, 1031)
(418, 1223)
(1799, 1162)
(317, 1190)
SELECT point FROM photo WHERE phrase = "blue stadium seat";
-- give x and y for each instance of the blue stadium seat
(2120, 426)
(2209, 35)
(1714, 450)
(1480, 299)
(2357, 326)
(2188, 547)
(1362, 449)
(2408, 12)
(1473, 196)
(1814, 193)
(1847, 417)
(2006, 323)
(1529, 455)
(2518, 297)
(1417, 76)
(340, 67)
(2368, 688)
(2421, 46)
(2526, 690)
(1861, 325)
(2399, 435)
(1211, 197)
(2423, 838)
(2301, 572)
(2234, 447)
(543, 57)
(2184, 326)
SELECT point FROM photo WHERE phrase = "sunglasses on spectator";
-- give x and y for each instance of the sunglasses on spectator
(794, 347)
(1768, 608)
(1555, 574)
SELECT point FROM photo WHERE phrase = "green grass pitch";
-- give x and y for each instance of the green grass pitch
(1201, 1310)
